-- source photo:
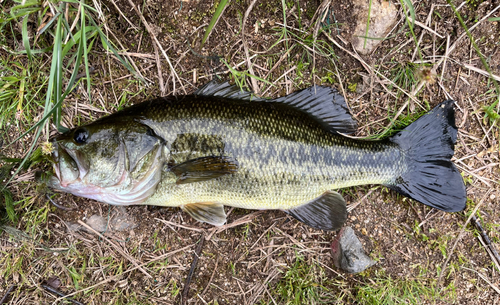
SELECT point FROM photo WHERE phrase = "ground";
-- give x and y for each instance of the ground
(424, 256)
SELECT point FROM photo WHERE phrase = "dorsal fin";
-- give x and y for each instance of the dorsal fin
(226, 90)
(324, 104)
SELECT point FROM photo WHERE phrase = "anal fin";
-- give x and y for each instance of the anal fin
(209, 212)
(327, 212)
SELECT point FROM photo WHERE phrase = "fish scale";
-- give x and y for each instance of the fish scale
(294, 162)
(223, 146)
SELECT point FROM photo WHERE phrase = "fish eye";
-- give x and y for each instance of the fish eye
(80, 136)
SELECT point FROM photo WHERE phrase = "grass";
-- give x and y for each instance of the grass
(22, 82)
(304, 283)
(386, 290)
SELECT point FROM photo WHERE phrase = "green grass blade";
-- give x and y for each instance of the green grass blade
(83, 42)
(108, 45)
(42, 30)
(25, 9)
(218, 12)
(77, 38)
(26, 39)
(57, 73)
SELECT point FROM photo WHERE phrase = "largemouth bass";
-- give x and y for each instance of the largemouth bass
(223, 146)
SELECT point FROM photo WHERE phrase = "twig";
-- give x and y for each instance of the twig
(482, 72)
(179, 225)
(240, 221)
(353, 206)
(115, 277)
(487, 241)
(255, 87)
(261, 286)
(371, 70)
(450, 254)
(153, 36)
(158, 66)
(454, 45)
(185, 291)
(59, 294)
(4, 299)
(131, 259)
(124, 17)
(485, 279)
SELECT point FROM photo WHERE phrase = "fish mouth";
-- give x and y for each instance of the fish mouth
(69, 165)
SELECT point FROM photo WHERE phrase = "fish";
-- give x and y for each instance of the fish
(222, 146)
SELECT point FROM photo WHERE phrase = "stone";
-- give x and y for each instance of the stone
(122, 221)
(383, 16)
(348, 253)
(97, 223)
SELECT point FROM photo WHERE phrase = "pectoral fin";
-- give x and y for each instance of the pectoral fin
(327, 212)
(204, 168)
(209, 212)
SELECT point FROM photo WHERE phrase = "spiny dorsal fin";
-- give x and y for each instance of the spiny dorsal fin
(327, 212)
(226, 90)
(204, 168)
(324, 104)
(209, 212)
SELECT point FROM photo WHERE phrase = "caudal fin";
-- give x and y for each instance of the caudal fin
(429, 145)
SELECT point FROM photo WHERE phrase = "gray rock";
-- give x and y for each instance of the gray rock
(122, 221)
(383, 16)
(97, 223)
(348, 253)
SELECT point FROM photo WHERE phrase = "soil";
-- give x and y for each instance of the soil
(246, 264)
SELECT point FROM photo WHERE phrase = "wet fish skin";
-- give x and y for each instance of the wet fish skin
(221, 146)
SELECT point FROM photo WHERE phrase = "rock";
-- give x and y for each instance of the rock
(382, 18)
(122, 220)
(97, 223)
(348, 253)
(73, 227)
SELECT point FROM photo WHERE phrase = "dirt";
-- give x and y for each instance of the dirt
(246, 264)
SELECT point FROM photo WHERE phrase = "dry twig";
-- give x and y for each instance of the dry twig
(153, 37)
(128, 257)
(59, 294)
(462, 233)
(7, 293)
(255, 86)
(196, 256)
(488, 245)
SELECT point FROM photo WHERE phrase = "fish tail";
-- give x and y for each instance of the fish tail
(431, 177)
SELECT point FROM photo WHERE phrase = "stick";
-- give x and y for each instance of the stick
(255, 87)
(450, 254)
(151, 32)
(239, 221)
(7, 294)
(185, 291)
(59, 294)
(115, 277)
(486, 239)
(128, 257)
